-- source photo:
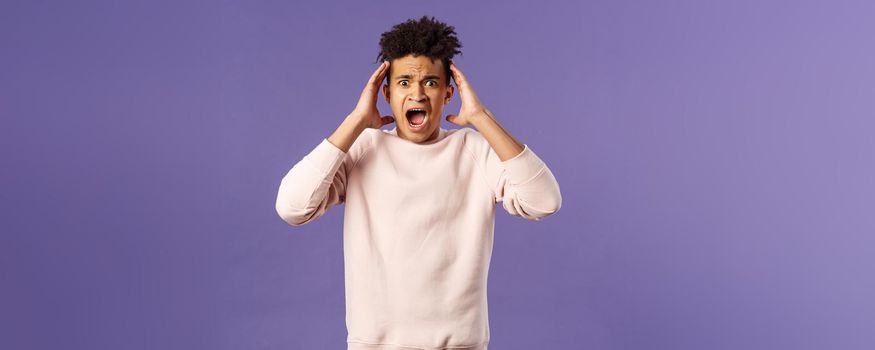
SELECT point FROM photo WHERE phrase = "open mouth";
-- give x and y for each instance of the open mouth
(416, 118)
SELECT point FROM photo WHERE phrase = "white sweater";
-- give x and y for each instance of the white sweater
(417, 230)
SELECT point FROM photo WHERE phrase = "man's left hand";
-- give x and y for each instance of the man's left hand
(471, 107)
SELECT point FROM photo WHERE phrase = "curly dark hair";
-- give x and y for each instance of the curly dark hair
(428, 36)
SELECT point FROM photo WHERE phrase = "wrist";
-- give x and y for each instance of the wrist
(478, 118)
(356, 123)
(345, 135)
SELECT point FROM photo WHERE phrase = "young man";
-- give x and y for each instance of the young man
(420, 199)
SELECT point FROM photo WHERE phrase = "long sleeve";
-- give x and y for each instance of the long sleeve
(523, 184)
(314, 184)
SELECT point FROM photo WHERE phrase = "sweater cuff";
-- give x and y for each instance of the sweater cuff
(523, 166)
(326, 158)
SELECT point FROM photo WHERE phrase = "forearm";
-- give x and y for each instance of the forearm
(346, 134)
(504, 144)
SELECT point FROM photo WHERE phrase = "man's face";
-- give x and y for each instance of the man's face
(417, 82)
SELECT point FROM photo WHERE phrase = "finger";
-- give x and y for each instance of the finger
(373, 86)
(376, 73)
(383, 70)
(452, 118)
(457, 73)
(379, 72)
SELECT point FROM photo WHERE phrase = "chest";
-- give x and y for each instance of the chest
(406, 178)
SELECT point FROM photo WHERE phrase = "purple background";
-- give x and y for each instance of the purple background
(716, 160)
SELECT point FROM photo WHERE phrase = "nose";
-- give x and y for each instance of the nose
(417, 95)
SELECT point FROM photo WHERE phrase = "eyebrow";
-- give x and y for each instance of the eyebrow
(408, 76)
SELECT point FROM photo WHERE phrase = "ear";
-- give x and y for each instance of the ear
(386, 92)
(449, 94)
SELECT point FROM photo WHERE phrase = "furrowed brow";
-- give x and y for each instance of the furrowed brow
(408, 76)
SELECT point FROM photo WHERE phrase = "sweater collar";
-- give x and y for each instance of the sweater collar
(441, 134)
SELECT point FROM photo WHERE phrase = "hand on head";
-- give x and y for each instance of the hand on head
(366, 109)
(471, 106)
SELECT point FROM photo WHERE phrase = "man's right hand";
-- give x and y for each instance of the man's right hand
(365, 115)
(366, 109)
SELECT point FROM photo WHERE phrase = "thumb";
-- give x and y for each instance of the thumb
(452, 118)
(387, 120)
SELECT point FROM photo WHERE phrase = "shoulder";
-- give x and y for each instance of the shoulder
(474, 142)
(473, 137)
(363, 144)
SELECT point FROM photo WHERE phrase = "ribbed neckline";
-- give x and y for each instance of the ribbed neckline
(441, 135)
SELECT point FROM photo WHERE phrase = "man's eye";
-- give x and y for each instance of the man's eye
(404, 82)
